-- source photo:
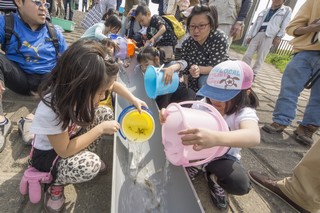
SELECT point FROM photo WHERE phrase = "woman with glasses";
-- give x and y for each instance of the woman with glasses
(206, 46)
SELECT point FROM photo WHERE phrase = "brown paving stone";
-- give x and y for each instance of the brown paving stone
(271, 93)
(264, 106)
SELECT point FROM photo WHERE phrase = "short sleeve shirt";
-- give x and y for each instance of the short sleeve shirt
(168, 38)
(46, 122)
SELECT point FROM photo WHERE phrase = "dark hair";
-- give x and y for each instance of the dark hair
(143, 9)
(110, 12)
(210, 11)
(107, 42)
(113, 21)
(244, 99)
(149, 53)
(72, 84)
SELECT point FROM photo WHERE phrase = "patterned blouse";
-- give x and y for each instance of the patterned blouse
(168, 38)
(212, 52)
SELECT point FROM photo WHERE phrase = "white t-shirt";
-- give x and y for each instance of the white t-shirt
(46, 122)
(233, 121)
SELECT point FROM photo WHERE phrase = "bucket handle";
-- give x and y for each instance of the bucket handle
(211, 108)
(125, 111)
(160, 68)
(208, 106)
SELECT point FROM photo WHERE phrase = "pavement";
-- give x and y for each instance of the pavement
(276, 155)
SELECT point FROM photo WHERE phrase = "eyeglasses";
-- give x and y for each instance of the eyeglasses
(40, 3)
(200, 27)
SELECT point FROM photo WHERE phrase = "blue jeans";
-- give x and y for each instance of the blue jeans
(65, 3)
(298, 71)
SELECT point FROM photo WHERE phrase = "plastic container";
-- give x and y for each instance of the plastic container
(154, 85)
(136, 127)
(123, 47)
(121, 10)
(131, 48)
(180, 118)
(64, 24)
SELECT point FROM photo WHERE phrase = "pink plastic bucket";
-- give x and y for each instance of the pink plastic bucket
(180, 118)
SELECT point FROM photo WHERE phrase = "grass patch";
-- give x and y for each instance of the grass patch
(238, 48)
(279, 61)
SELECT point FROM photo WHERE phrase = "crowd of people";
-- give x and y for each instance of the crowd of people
(68, 123)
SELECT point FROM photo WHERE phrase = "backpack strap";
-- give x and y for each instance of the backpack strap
(8, 29)
(53, 37)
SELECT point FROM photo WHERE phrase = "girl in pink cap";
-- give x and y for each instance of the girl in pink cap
(228, 89)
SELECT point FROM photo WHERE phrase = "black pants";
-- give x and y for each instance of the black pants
(231, 176)
(42, 160)
(17, 80)
(181, 94)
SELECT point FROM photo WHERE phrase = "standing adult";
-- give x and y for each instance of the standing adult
(302, 189)
(304, 64)
(266, 31)
(65, 4)
(206, 46)
(128, 5)
(105, 5)
(28, 57)
(232, 19)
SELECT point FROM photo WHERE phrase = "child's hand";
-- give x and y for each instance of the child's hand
(198, 137)
(110, 127)
(163, 115)
(167, 77)
(138, 104)
(149, 42)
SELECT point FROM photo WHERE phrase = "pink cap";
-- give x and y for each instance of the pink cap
(226, 80)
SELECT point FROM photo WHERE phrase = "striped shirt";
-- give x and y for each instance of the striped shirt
(7, 5)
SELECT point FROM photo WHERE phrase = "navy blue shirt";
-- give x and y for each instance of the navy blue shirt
(267, 18)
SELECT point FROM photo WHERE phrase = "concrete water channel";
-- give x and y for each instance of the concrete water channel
(143, 180)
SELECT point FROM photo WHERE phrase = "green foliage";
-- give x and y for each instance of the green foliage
(279, 61)
(238, 48)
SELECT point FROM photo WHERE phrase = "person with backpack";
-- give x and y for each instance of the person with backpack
(159, 33)
(206, 47)
(31, 46)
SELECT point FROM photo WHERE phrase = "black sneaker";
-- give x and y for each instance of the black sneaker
(194, 171)
(217, 194)
(4, 131)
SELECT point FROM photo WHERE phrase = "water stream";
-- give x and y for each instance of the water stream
(147, 186)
